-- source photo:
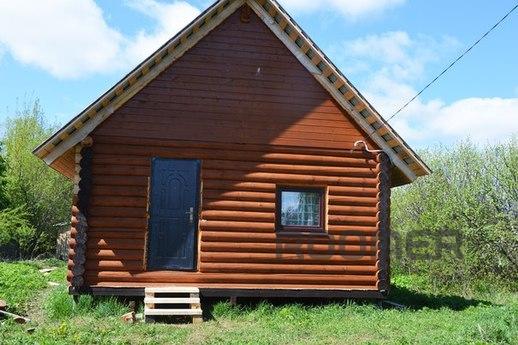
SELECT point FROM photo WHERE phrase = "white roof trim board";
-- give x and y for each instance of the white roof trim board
(285, 28)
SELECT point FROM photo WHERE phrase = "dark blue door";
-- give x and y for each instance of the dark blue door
(173, 214)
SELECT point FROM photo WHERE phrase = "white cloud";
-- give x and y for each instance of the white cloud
(171, 18)
(481, 119)
(65, 38)
(392, 62)
(349, 8)
(395, 54)
(71, 39)
(490, 119)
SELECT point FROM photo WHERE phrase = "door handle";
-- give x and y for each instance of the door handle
(191, 214)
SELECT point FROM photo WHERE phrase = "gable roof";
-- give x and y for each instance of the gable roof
(295, 39)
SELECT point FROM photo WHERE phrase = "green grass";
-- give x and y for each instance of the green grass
(60, 306)
(20, 282)
(429, 319)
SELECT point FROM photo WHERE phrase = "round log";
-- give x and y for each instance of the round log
(272, 268)
(279, 248)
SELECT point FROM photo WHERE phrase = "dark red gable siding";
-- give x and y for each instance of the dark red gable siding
(240, 84)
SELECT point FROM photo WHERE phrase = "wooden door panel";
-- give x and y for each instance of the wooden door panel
(173, 214)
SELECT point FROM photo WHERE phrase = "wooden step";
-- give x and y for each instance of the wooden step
(173, 312)
(172, 289)
(172, 300)
(159, 302)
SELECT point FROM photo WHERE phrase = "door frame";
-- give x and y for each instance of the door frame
(197, 209)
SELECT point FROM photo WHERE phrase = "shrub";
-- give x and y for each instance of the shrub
(30, 186)
(472, 194)
(16, 230)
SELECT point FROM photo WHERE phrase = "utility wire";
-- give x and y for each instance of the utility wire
(453, 63)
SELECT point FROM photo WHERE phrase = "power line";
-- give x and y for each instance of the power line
(453, 63)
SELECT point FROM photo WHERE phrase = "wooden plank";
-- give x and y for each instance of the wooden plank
(243, 216)
(301, 248)
(124, 265)
(134, 155)
(231, 278)
(238, 237)
(240, 136)
(171, 300)
(17, 318)
(249, 206)
(339, 133)
(176, 312)
(173, 289)
(268, 227)
(153, 144)
(116, 243)
(258, 171)
(288, 269)
(287, 259)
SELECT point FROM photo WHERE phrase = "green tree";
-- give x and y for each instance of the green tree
(4, 203)
(39, 193)
(472, 193)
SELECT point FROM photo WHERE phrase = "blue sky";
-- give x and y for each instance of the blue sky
(66, 53)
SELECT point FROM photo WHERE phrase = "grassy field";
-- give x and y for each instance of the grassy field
(429, 319)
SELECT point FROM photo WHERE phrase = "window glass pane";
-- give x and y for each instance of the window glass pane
(300, 208)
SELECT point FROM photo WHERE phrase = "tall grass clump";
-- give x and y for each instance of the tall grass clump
(60, 306)
(459, 226)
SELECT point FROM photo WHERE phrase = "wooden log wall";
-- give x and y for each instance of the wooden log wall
(79, 223)
(241, 103)
(238, 241)
(383, 264)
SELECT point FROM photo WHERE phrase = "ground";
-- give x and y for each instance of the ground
(428, 319)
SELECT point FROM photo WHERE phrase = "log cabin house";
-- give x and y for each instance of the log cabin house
(226, 161)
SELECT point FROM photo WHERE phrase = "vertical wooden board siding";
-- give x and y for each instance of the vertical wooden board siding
(243, 105)
(65, 164)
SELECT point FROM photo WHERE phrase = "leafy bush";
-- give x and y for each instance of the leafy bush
(16, 229)
(470, 202)
(39, 195)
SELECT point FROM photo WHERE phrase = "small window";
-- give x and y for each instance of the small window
(300, 209)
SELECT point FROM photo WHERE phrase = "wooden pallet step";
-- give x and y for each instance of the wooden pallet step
(171, 300)
(173, 312)
(155, 304)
